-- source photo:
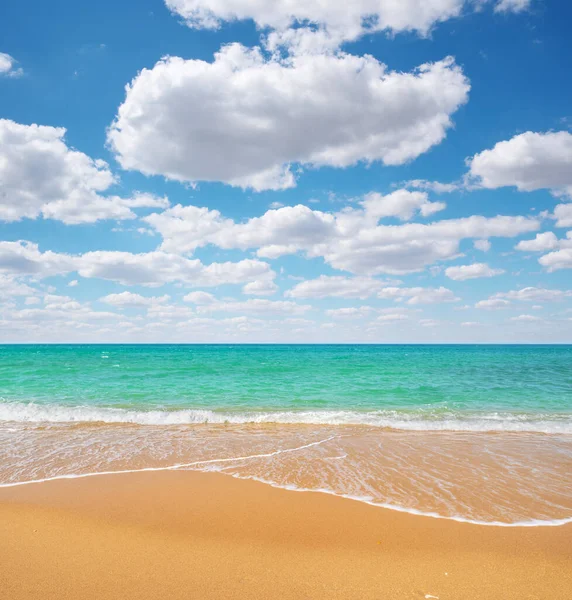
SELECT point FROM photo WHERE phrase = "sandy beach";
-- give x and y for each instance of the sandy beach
(200, 535)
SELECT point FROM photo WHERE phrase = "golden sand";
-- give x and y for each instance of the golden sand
(175, 535)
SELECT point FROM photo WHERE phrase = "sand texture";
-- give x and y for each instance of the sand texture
(175, 535)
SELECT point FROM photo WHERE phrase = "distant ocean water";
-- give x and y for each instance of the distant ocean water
(478, 433)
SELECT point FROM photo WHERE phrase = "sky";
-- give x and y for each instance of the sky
(227, 171)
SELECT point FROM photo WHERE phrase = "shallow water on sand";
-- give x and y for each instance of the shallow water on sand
(482, 434)
(480, 477)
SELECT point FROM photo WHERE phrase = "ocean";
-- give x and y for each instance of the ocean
(472, 433)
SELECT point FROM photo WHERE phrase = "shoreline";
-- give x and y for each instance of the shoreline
(185, 534)
(385, 507)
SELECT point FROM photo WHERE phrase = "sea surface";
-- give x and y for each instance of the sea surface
(473, 433)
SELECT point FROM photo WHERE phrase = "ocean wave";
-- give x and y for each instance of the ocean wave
(421, 420)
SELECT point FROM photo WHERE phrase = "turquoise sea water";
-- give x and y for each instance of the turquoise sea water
(479, 433)
(431, 381)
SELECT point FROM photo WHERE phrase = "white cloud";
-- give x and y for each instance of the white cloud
(169, 313)
(76, 210)
(392, 317)
(151, 269)
(8, 66)
(256, 306)
(350, 240)
(244, 119)
(526, 318)
(185, 228)
(25, 258)
(534, 294)
(336, 287)
(71, 315)
(418, 295)
(351, 312)
(493, 303)
(512, 5)
(333, 22)
(144, 200)
(402, 204)
(554, 261)
(560, 258)
(474, 271)
(363, 247)
(73, 283)
(433, 186)
(563, 215)
(200, 298)
(482, 245)
(260, 288)
(542, 241)
(283, 230)
(59, 314)
(529, 161)
(58, 302)
(527, 294)
(41, 175)
(124, 299)
(343, 20)
(10, 287)
(428, 322)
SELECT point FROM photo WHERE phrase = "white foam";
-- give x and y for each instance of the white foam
(413, 421)
(171, 467)
(341, 457)
(365, 500)
(410, 511)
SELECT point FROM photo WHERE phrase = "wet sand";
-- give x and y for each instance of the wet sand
(198, 535)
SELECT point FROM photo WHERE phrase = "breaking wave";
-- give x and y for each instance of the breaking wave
(420, 420)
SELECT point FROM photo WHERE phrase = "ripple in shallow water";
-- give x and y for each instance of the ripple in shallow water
(481, 477)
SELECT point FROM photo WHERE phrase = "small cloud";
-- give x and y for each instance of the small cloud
(474, 271)
(8, 66)
(388, 318)
(482, 245)
(514, 6)
(145, 231)
(493, 304)
(428, 322)
(433, 186)
(526, 318)
(92, 48)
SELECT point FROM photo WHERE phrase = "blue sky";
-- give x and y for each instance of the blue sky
(238, 170)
